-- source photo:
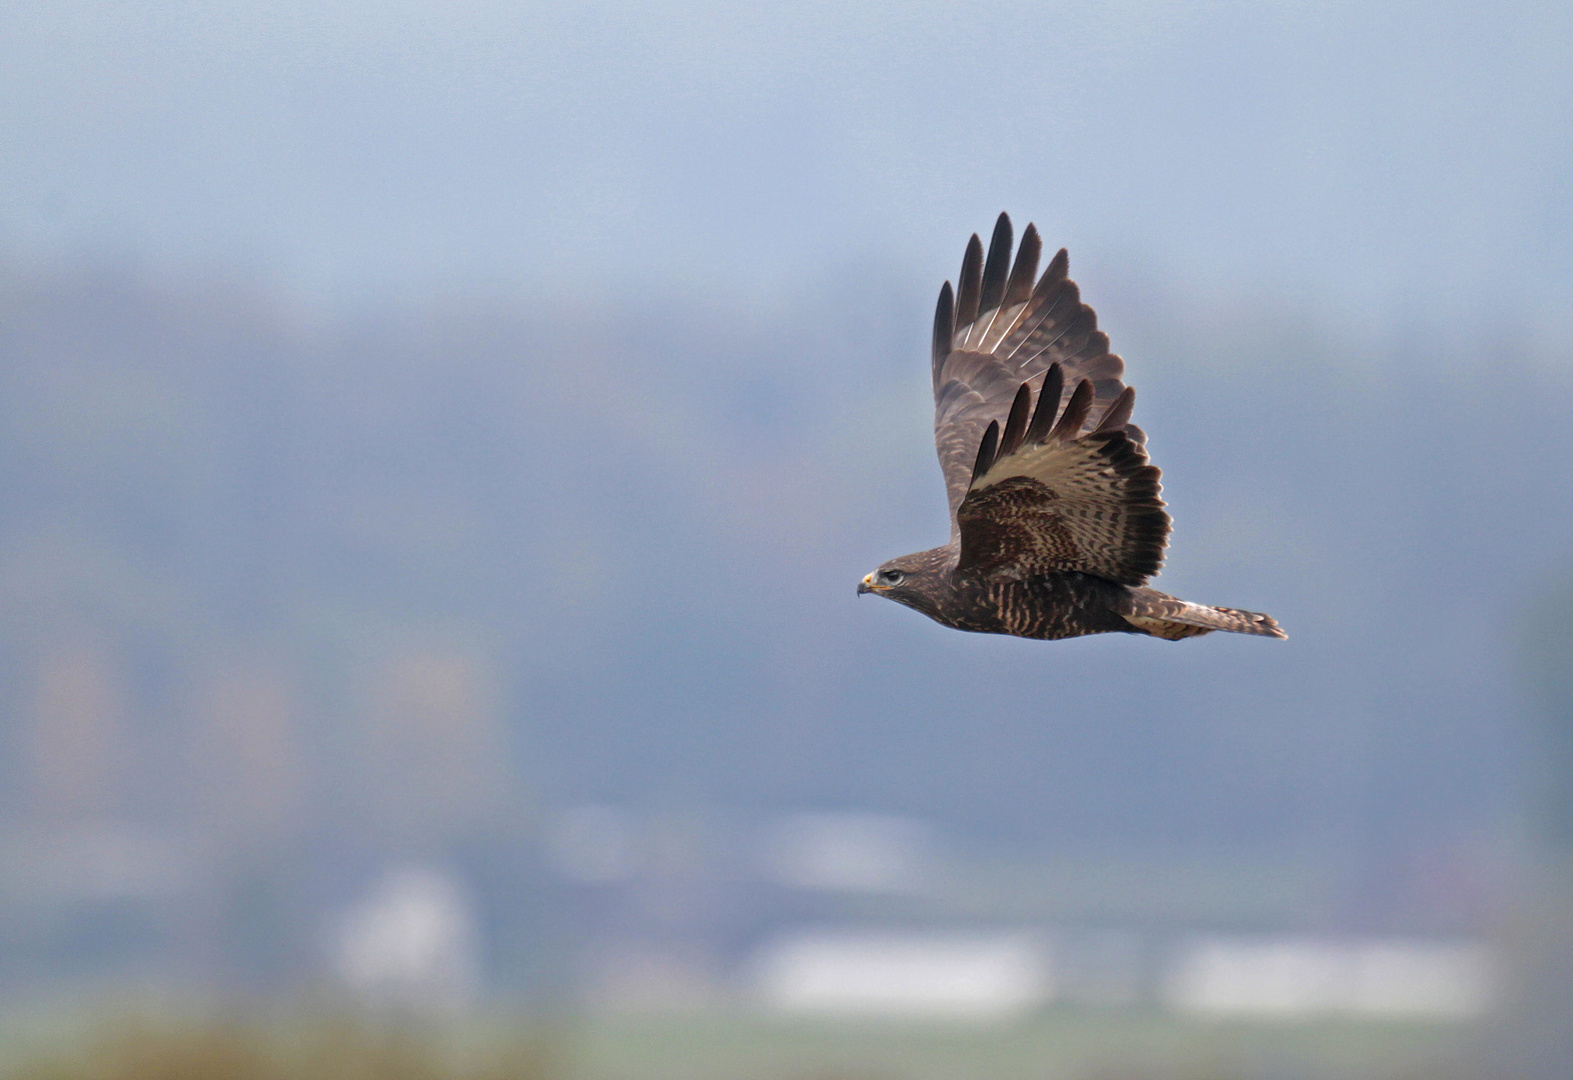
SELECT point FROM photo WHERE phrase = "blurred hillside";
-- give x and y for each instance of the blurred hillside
(287, 600)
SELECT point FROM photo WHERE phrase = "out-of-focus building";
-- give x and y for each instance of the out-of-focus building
(1289, 977)
(430, 756)
(969, 976)
(247, 760)
(411, 943)
(78, 751)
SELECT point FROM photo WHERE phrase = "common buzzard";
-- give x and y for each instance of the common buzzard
(1055, 519)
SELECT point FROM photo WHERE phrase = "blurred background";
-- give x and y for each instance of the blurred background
(439, 444)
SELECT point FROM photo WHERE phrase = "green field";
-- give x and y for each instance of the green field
(1061, 1044)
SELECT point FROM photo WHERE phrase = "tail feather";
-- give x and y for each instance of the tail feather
(1168, 617)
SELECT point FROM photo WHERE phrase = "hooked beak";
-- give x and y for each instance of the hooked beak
(866, 585)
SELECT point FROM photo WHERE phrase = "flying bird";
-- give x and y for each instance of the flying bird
(1055, 519)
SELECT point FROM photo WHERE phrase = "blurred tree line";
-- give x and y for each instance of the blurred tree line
(284, 596)
(1549, 658)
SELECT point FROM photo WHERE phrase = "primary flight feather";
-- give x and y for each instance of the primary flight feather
(1055, 519)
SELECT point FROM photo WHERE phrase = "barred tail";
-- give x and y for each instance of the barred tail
(1167, 617)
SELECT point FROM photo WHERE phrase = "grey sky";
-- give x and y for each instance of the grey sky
(1410, 156)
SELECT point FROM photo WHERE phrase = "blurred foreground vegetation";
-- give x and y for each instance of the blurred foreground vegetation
(335, 1048)
(1064, 1043)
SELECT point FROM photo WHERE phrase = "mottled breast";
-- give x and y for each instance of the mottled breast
(1047, 607)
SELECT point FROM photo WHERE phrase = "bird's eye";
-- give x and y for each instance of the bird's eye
(893, 577)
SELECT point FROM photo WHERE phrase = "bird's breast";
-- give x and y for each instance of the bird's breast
(1047, 606)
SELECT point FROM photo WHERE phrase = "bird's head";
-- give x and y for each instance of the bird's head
(911, 580)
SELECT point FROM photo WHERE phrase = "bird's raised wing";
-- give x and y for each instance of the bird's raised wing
(1050, 495)
(999, 330)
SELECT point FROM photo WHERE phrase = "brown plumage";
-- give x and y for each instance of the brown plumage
(1055, 517)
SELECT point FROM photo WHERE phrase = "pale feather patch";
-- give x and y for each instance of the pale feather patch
(1069, 469)
(1169, 631)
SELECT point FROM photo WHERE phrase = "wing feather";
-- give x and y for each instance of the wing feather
(1016, 426)
(996, 332)
(1019, 289)
(1075, 414)
(996, 271)
(986, 451)
(1048, 404)
(1119, 413)
(1068, 502)
(944, 329)
(968, 285)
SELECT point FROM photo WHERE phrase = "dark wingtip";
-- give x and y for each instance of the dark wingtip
(1048, 403)
(967, 285)
(944, 326)
(1019, 288)
(1058, 271)
(997, 268)
(986, 450)
(1118, 413)
(1016, 424)
(1075, 412)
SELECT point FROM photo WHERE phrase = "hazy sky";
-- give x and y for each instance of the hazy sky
(1415, 156)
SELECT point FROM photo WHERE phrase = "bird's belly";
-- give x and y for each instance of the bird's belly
(1047, 607)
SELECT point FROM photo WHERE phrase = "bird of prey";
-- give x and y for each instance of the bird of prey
(1055, 519)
